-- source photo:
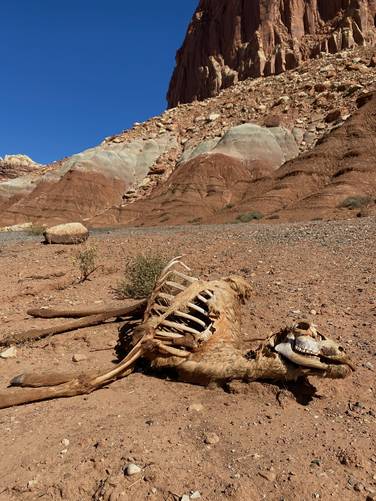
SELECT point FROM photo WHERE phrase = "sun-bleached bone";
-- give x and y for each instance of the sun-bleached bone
(201, 342)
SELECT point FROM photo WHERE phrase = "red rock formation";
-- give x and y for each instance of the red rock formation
(230, 40)
(328, 182)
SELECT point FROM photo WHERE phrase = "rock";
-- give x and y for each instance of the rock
(282, 100)
(195, 495)
(211, 438)
(32, 483)
(69, 233)
(9, 353)
(333, 116)
(16, 227)
(185, 497)
(79, 357)
(65, 442)
(268, 474)
(369, 365)
(359, 487)
(228, 41)
(214, 116)
(196, 407)
(132, 469)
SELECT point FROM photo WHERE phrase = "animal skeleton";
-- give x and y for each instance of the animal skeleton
(192, 326)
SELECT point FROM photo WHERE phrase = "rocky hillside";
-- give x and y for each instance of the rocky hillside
(253, 173)
(231, 40)
(290, 112)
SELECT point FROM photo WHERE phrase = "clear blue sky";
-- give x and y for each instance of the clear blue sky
(75, 71)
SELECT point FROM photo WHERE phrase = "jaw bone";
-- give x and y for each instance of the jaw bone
(311, 348)
(305, 346)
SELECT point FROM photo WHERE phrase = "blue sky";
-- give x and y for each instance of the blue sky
(76, 71)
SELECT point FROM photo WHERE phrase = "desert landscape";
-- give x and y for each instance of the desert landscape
(262, 167)
(269, 441)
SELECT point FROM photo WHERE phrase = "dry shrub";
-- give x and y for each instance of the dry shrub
(356, 202)
(250, 216)
(140, 276)
(85, 260)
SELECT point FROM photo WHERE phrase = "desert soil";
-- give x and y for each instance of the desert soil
(274, 442)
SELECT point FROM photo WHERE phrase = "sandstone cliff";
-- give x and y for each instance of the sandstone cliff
(231, 40)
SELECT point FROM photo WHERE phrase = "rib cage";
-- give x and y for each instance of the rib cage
(178, 308)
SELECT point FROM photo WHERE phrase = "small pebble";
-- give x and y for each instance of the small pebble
(211, 438)
(369, 365)
(79, 357)
(132, 469)
(185, 498)
(65, 442)
(32, 483)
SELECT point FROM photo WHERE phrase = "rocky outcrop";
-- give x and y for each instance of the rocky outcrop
(231, 40)
(12, 166)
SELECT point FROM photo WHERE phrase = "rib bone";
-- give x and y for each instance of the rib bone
(180, 327)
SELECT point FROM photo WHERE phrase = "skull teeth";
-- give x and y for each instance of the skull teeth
(305, 350)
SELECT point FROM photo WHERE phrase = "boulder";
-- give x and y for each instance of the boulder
(69, 233)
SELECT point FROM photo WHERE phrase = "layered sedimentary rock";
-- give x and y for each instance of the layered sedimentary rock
(12, 166)
(231, 40)
(230, 182)
(82, 185)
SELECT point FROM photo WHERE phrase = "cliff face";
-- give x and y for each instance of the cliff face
(231, 40)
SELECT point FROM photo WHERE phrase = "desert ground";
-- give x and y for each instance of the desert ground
(243, 442)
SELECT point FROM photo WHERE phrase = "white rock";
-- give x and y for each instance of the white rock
(184, 498)
(213, 117)
(132, 469)
(196, 495)
(65, 442)
(32, 483)
(9, 352)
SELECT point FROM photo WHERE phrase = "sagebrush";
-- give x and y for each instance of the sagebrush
(86, 262)
(250, 216)
(356, 202)
(140, 276)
